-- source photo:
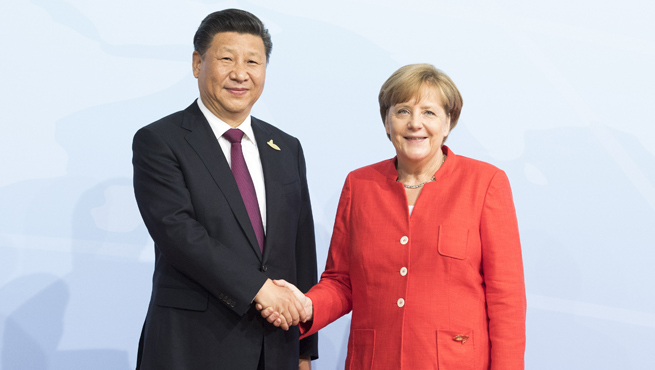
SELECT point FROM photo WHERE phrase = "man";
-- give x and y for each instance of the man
(228, 211)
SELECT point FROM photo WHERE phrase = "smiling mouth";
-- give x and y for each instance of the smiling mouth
(237, 91)
(415, 138)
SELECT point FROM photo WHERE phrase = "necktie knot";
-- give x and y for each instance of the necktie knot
(233, 135)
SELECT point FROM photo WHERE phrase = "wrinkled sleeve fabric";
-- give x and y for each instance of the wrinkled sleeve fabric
(332, 296)
(502, 266)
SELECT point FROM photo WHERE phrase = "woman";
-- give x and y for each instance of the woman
(425, 249)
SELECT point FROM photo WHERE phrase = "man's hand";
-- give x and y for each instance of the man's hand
(283, 302)
(275, 318)
(306, 301)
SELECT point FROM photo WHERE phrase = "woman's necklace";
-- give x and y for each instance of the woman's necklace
(418, 185)
(425, 182)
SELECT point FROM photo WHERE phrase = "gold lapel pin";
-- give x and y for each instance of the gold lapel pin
(461, 338)
(272, 145)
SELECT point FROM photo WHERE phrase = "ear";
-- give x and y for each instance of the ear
(446, 128)
(196, 63)
(386, 126)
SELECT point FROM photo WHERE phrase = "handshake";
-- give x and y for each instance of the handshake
(282, 304)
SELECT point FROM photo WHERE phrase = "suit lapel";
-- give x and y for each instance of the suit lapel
(272, 168)
(204, 142)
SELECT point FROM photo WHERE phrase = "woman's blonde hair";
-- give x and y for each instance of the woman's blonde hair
(405, 84)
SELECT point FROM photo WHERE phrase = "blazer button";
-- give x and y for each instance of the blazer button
(264, 268)
(401, 302)
(404, 240)
(403, 271)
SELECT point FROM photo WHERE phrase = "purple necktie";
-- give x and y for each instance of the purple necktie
(245, 184)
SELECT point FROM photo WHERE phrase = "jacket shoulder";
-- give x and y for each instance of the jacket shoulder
(171, 122)
(279, 136)
(267, 127)
(472, 171)
(467, 163)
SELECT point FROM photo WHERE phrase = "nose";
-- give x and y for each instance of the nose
(239, 72)
(414, 122)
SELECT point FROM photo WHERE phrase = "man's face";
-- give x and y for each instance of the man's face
(231, 75)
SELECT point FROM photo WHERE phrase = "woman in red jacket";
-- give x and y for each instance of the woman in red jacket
(425, 249)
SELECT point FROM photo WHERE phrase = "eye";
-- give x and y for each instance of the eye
(403, 111)
(430, 113)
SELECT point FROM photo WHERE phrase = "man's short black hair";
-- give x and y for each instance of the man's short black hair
(230, 20)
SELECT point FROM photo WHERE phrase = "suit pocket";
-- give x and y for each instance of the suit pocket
(185, 299)
(453, 241)
(362, 349)
(456, 349)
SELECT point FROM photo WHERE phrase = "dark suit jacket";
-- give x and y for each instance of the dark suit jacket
(208, 266)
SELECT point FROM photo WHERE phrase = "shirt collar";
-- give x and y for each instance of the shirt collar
(220, 127)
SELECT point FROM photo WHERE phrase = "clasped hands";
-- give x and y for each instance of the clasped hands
(282, 304)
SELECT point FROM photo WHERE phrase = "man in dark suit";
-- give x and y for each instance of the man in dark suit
(224, 197)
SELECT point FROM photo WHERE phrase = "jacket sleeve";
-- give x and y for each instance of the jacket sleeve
(166, 207)
(306, 269)
(502, 266)
(332, 296)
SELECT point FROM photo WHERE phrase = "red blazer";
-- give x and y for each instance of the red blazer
(442, 289)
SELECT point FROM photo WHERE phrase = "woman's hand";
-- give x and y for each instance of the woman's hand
(275, 318)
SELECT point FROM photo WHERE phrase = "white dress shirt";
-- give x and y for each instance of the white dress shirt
(250, 153)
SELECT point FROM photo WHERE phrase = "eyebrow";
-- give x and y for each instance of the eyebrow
(422, 106)
(249, 52)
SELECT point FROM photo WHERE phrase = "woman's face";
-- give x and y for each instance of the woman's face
(417, 128)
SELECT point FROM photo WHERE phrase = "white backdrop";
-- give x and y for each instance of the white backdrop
(558, 93)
